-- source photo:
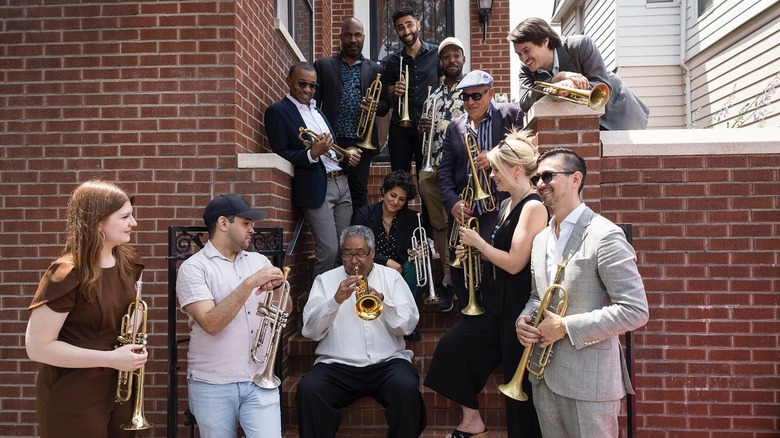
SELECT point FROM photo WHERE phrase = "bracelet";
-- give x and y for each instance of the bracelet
(563, 328)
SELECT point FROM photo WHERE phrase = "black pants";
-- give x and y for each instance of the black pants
(404, 145)
(467, 355)
(326, 388)
(357, 176)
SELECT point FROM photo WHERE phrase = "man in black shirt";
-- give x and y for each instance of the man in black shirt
(422, 59)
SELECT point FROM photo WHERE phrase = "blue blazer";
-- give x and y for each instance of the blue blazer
(282, 121)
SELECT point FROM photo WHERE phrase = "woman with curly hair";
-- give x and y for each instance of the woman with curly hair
(76, 317)
(393, 224)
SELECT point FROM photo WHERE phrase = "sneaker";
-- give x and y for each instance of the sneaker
(445, 305)
(414, 336)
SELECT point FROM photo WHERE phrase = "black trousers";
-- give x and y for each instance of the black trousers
(467, 355)
(404, 145)
(326, 388)
(357, 176)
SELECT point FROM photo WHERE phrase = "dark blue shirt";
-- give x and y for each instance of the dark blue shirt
(349, 112)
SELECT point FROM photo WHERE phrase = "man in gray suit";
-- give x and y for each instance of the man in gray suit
(574, 62)
(580, 393)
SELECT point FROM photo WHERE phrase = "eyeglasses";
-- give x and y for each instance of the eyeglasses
(547, 176)
(474, 96)
(358, 256)
(303, 84)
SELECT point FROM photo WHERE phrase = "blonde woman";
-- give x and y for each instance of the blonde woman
(471, 350)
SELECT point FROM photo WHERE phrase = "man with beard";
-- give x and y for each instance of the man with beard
(442, 106)
(219, 288)
(342, 79)
(320, 187)
(358, 358)
(590, 257)
(422, 60)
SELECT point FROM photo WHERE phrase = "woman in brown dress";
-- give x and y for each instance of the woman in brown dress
(76, 317)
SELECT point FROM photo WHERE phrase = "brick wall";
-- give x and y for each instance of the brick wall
(492, 55)
(161, 96)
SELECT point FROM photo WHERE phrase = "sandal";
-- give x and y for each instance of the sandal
(461, 434)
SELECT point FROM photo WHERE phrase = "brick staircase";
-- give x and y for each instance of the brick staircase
(365, 417)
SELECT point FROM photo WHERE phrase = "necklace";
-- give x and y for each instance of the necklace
(386, 223)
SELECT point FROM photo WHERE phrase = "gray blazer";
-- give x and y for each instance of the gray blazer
(606, 299)
(580, 55)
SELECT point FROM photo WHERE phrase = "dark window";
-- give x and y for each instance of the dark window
(435, 18)
(704, 5)
(298, 17)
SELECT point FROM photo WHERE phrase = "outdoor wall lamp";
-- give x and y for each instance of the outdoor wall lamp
(484, 7)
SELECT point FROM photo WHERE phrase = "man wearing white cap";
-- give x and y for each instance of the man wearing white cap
(489, 123)
(443, 106)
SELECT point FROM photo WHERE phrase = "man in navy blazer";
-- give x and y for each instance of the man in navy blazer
(489, 122)
(320, 187)
(574, 62)
(343, 79)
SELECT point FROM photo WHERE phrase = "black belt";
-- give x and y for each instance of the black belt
(335, 174)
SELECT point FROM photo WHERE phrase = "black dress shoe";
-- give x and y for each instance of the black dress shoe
(414, 336)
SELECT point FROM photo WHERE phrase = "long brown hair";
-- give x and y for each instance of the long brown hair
(91, 203)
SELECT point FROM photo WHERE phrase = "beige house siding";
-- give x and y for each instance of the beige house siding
(739, 75)
(724, 17)
(648, 34)
(660, 88)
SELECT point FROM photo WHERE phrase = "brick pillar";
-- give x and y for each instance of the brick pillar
(565, 124)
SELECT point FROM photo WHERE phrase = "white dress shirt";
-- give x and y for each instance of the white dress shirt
(315, 122)
(347, 339)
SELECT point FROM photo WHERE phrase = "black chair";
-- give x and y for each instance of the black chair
(183, 242)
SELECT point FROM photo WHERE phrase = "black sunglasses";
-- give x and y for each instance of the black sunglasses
(504, 143)
(303, 84)
(474, 96)
(547, 176)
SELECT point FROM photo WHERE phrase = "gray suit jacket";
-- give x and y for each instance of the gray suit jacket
(580, 55)
(606, 299)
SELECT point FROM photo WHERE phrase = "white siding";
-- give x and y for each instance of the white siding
(722, 18)
(736, 73)
(648, 34)
(600, 26)
(660, 88)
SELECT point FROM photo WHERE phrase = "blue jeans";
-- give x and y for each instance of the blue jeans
(219, 409)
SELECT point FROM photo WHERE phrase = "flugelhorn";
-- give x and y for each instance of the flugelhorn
(309, 137)
(421, 250)
(365, 128)
(133, 331)
(472, 273)
(427, 141)
(595, 98)
(276, 318)
(514, 389)
(481, 191)
(403, 105)
(368, 307)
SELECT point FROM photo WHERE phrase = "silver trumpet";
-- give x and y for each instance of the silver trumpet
(277, 321)
(422, 261)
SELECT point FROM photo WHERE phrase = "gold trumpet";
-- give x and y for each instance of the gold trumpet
(403, 105)
(481, 179)
(595, 98)
(514, 389)
(267, 379)
(472, 273)
(309, 137)
(365, 128)
(368, 307)
(133, 331)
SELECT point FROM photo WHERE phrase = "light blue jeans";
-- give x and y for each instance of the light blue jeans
(219, 409)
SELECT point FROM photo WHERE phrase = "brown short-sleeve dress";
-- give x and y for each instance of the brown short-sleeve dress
(79, 402)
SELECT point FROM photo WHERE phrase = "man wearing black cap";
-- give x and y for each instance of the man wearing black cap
(219, 288)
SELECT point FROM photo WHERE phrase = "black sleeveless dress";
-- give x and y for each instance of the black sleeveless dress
(470, 351)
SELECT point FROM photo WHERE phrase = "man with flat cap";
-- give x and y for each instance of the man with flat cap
(487, 122)
(219, 288)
